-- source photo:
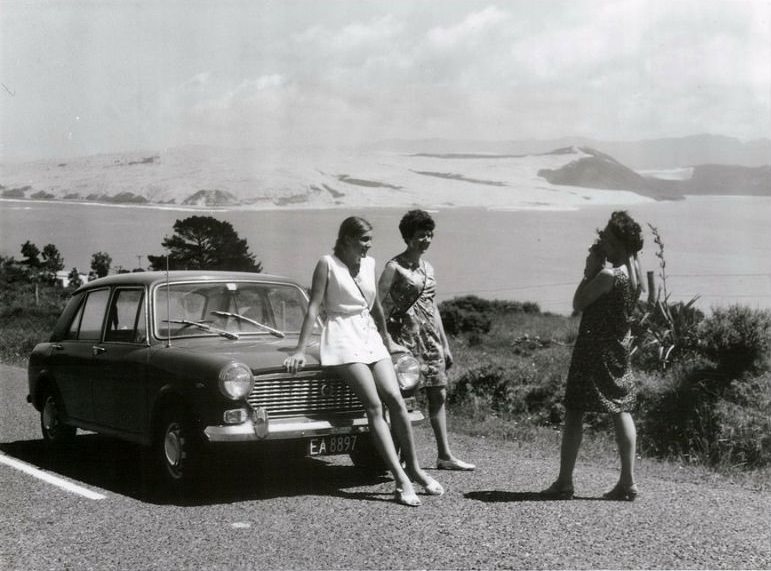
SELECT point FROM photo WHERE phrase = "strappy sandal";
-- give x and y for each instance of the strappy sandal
(558, 491)
(621, 493)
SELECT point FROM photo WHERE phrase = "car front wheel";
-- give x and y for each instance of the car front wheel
(366, 456)
(177, 449)
(51, 425)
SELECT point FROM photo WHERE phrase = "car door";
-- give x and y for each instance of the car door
(120, 363)
(71, 361)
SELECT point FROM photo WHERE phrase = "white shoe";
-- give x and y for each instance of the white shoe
(454, 464)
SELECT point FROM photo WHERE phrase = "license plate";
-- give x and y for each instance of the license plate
(328, 445)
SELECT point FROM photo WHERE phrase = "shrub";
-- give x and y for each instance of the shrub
(737, 340)
(743, 423)
(477, 386)
(675, 412)
(696, 413)
(457, 320)
(472, 314)
(664, 332)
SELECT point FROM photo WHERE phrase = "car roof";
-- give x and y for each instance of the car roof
(203, 276)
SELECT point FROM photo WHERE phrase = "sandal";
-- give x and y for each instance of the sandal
(432, 487)
(406, 499)
(622, 493)
(558, 491)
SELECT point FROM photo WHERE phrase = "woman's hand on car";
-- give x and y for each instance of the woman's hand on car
(295, 361)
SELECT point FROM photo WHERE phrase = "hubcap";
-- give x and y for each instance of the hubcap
(50, 415)
(174, 448)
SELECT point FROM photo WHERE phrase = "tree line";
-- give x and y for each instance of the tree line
(198, 243)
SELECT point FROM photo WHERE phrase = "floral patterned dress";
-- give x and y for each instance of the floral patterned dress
(599, 378)
(409, 308)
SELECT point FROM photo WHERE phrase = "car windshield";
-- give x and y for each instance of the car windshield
(241, 308)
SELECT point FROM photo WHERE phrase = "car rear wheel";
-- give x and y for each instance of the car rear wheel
(51, 425)
(176, 449)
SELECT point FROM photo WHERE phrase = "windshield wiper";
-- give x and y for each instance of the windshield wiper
(270, 330)
(204, 327)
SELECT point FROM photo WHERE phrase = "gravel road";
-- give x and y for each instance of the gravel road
(325, 514)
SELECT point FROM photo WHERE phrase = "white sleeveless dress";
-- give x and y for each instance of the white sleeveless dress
(350, 334)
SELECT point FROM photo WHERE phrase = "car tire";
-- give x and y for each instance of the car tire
(176, 450)
(366, 456)
(55, 432)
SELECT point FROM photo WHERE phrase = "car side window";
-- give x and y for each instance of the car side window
(93, 315)
(126, 322)
(74, 327)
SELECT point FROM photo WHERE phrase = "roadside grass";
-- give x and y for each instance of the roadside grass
(27, 317)
(598, 449)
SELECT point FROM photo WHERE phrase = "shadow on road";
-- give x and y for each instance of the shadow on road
(493, 496)
(229, 475)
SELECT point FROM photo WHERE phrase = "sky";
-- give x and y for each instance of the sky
(87, 77)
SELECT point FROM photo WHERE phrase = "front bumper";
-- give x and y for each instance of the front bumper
(294, 428)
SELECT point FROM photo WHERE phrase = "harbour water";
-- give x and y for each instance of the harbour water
(718, 248)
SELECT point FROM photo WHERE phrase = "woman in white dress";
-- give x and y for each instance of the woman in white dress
(355, 343)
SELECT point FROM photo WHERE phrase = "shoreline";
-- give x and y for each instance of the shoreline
(305, 207)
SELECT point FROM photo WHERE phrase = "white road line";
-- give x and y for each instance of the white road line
(50, 478)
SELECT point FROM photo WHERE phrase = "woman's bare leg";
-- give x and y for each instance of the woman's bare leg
(437, 414)
(388, 389)
(626, 438)
(360, 378)
(572, 434)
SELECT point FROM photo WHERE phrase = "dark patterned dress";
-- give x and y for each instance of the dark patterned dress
(599, 378)
(409, 308)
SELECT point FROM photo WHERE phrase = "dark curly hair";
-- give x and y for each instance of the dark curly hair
(626, 230)
(352, 228)
(415, 221)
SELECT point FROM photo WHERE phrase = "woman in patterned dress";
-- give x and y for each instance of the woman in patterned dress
(408, 288)
(599, 378)
(355, 343)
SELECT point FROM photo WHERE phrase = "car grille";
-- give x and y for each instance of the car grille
(310, 393)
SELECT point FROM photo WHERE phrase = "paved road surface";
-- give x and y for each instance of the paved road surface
(313, 514)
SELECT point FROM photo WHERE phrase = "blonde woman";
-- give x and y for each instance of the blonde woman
(355, 343)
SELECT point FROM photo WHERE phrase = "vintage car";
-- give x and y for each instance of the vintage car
(186, 360)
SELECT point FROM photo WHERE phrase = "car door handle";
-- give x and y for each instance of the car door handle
(95, 350)
(57, 346)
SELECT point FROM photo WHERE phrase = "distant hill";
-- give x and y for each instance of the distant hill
(644, 154)
(598, 170)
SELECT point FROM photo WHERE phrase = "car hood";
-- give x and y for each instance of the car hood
(258, 354)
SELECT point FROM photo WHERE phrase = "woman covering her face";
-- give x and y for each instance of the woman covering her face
(599, 378)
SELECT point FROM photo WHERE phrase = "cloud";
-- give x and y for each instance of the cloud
(473, 26)
(351, 37)
(343, 71)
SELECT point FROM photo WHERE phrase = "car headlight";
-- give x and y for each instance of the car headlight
(407, 370)
(236, 381)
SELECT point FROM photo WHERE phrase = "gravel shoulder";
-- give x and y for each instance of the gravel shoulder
(325, 514)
